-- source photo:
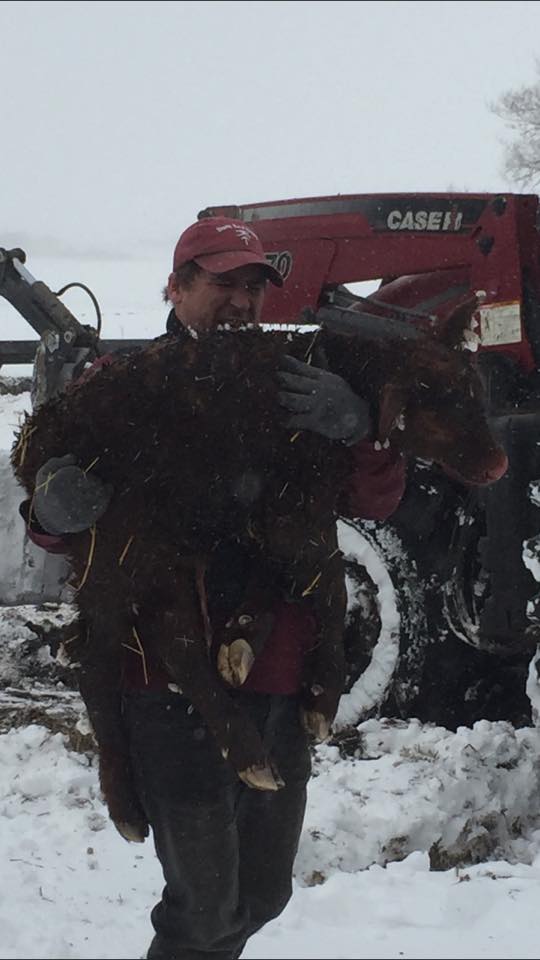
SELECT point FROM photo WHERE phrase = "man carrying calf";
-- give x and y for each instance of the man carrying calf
(227, 851)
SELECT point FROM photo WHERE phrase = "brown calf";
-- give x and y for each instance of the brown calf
(190, 434)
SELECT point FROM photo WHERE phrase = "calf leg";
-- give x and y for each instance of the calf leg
(178, 638)
(245, 634)
(323, 687)
(306, 543)
(325, 665)
(99, 684)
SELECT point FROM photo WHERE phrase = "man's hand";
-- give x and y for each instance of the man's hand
(322, 402)
(66, 498)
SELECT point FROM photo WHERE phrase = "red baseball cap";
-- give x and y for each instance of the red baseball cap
(219, 244)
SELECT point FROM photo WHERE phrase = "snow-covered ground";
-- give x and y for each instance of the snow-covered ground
(386, 824)
(364, 888)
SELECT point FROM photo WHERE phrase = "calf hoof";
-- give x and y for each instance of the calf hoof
(125, 811)
(235, 661)
(132, 832)
(261, 778)
(316, 724)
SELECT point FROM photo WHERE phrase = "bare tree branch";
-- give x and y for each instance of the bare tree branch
(520, 112)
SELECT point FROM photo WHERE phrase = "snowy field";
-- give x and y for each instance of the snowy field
(72, 888)
(376, 872)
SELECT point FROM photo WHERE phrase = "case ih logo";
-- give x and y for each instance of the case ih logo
(423, 214)
(282, 261)
(442, 220)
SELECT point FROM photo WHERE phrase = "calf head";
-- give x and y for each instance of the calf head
(426, 394)
(433, 404)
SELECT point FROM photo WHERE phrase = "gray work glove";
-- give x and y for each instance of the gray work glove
(322, 402)
(66, 499)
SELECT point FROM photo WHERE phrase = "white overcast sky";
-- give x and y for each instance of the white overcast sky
(120, 121)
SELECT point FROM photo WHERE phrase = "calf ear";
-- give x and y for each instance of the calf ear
(460, 324)
(391, 407)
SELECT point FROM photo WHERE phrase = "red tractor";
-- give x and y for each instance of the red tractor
(457, 555)
(469, 607)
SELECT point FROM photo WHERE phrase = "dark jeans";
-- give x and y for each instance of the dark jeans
(227, 851)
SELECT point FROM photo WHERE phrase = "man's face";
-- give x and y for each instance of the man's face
(215, 299)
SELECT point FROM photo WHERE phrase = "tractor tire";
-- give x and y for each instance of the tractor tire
(385, 627)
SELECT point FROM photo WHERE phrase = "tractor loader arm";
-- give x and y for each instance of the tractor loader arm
(65, 345)
(58, 329)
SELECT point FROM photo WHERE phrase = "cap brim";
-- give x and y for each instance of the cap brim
(223, 262)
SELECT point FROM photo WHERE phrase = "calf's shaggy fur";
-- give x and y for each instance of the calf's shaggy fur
(189, 433)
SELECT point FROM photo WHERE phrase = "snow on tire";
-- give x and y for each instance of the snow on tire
(378, 550)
